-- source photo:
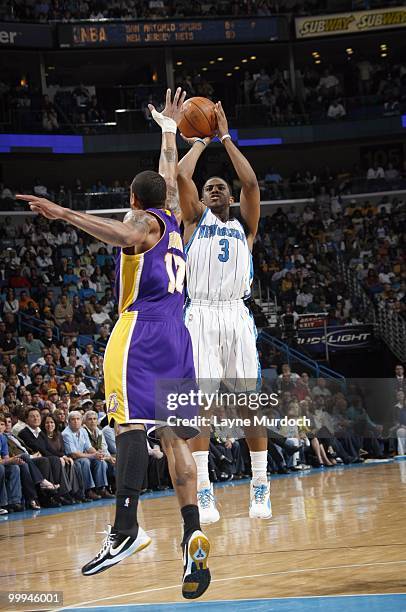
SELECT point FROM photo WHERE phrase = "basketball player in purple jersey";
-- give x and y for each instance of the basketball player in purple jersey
(149, 342)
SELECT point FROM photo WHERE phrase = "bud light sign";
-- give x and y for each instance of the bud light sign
(347, 338)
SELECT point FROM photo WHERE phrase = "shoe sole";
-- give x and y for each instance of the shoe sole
(203, 522)
(268, 516)
(111, 562)
(196, 583)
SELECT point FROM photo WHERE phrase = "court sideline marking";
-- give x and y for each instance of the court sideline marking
(258, 599)
(176, 586)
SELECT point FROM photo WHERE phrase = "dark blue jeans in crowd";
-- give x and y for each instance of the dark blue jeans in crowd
(10, 485)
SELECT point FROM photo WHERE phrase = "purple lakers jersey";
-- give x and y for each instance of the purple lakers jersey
(151, 283)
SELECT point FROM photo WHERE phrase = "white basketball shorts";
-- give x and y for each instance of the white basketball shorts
(224, 344)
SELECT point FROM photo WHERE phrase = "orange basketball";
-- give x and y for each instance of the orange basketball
(199, 118)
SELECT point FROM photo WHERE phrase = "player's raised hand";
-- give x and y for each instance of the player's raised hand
(173, 108)
(42, 206)
(191, 141)
(221, 120)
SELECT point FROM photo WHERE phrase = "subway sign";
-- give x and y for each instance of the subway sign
(352, 22)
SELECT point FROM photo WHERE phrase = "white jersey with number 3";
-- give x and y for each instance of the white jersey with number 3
(219, 262)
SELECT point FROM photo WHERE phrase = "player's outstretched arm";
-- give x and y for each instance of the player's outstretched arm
(110, 231)
(168, 161)
(190, 204)
(250, 194)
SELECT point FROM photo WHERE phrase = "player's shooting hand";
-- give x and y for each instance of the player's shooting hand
(191, 141)
(173, 108)
(42, 206)
(222, 122)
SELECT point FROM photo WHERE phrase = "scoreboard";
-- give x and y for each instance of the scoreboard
(169, 33)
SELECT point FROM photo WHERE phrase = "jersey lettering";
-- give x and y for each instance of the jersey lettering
(208, 231)
(175, 282)
(225, 252)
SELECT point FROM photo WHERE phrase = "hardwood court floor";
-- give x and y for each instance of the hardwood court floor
(338, 531)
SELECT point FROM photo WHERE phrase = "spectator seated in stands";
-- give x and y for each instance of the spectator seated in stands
(33, 346)
(90, 460)
(36, 440)
(32, 469)
(98, 442)
(10, 482)
(73, 475)
(336, 110)
(400, 426)
(225, 461)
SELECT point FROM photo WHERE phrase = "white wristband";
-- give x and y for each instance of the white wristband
(165, 123)
(200, 140)
(224, 137)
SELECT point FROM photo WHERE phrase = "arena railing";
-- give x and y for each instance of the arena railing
(26, 323)
(85, 376)
(129, 116)
(388, 325)
(292, 355)
(285, 194)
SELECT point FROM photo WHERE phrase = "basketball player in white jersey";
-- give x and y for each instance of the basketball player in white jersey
(219, 274)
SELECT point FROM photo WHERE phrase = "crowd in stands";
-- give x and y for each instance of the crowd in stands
(359, 89)
(326, 186)
(69, 10)
(56, 447)
(28, 109)
(57, 310)
(297, 255)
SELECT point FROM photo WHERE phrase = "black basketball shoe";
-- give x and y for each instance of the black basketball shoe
(115, 548)
(196, 575)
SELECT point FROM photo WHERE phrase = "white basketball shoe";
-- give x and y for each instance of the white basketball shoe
(260, 501)
(207, 504)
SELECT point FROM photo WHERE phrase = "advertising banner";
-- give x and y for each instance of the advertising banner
(339, 339)
(19, 35)
(350, 23)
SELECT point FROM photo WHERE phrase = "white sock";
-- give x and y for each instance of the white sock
(202, 465)
(259, 462)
